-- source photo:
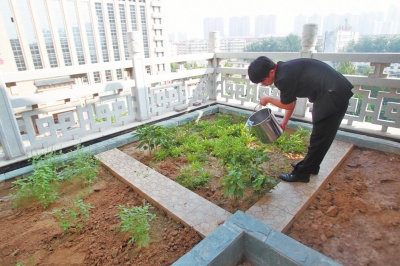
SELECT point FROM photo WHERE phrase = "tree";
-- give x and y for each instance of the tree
(174, 67)
(380, 44)
(290, 43)
(347, 68)
(227, 64)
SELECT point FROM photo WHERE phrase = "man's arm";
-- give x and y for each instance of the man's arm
(289, 108)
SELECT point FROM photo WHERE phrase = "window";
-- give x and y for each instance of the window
(44, 25)
(89, 31)
(144, 31)
(108, 75)
(123, 28)
(61, 33)
(76, 33)
(96, 76)
(113, 28)
(102, 33)
(119, 74)
(133, 18)
(28, 25)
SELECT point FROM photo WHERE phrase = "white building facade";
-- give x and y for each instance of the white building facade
(201, 46)
(40, 34)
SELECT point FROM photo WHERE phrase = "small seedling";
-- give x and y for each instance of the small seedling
(135, 221)
(74, 216)
(42, 184)
(193, 176)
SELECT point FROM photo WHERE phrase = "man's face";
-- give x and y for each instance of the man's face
(270, 80)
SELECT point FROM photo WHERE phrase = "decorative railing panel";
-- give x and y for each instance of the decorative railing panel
(233, 90)
(78, 117)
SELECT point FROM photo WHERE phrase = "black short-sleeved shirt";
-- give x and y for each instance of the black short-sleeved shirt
(312, 79)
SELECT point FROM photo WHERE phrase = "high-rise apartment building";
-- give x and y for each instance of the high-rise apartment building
(337, 40)
(239, 26)
(213, 24)
(299, 21)
(264, 26)
(39, 34)
(316, 19)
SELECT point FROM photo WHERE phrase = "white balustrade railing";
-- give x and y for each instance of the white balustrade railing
(69, 116)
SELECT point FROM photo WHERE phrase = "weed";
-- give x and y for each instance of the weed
(175, 152)
(135, 221)
(193, 176)
(233, 182)
(48, 172)
(42, 184)
(297, 142)
(81, 165)
(152, 137)
(74, 216)
(161, 154)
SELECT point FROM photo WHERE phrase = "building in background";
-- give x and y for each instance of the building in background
(192, 47)
(201, 46)
(44, 34)
(239, 27)
(299, 21)
(316, 19)
(213, 24)
(233, 44)
(265, 26)
(337, 40)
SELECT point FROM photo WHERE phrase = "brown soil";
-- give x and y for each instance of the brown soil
(31, 236)
(355, 220)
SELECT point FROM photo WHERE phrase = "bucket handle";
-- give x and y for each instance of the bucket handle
(269, 110)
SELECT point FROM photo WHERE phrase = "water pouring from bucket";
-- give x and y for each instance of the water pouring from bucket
(264, 125)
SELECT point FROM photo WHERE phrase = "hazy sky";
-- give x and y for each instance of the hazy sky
(187, 15)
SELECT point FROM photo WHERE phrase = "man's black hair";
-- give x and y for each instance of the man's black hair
(259, 69)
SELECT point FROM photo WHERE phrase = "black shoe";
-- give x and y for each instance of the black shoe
(315, 172)
(295, 178)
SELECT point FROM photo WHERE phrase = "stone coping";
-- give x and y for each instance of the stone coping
(244, 236)
(287, 201)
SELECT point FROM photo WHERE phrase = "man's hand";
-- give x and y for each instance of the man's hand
(282, 125)
(264, 100)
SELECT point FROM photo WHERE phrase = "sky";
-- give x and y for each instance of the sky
(188, 15)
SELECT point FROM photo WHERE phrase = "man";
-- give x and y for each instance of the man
(330, 92)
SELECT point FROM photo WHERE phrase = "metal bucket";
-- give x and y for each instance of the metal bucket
(264, 125)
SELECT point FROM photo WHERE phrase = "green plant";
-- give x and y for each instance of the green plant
(233, 182)
(152, 136)
(196, 157)
(175, 152)
(193, 176)
(135, 221)
(161, 154)
(42, 184)
(297, 142)
(49, 171)
(74, 216)
(83, 165)
(260, 181)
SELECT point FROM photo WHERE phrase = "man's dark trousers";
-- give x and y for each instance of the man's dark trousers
(322, 136)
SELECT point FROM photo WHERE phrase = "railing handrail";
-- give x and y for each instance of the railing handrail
(359, 57)
(20, 76)
(179, 75)
(178, 58)
(75, 92)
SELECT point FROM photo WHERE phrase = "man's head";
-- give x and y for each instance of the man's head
(262, 70)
